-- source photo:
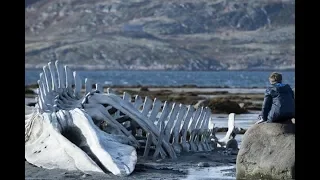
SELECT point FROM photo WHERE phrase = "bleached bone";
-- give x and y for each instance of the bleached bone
(61, 108)
(205, 133)
(143, 108)
(156, 106)
(231, 133)
(184, 130)
(231, 128)
(194, 143)
(151, 116)
(129, 109)
(49, 129)
(167, 127)
(176, 129)
(161, 126)
(191, 128)
(199, 131)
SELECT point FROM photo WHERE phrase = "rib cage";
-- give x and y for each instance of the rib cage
(174, 122)
(166, 127)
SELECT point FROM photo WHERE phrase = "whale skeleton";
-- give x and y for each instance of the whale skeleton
(95, 131)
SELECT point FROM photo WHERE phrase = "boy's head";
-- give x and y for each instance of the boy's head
(275, 78)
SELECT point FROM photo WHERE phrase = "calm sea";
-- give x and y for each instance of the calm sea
(241, 79)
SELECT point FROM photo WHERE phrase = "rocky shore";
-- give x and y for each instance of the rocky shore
(219, 100)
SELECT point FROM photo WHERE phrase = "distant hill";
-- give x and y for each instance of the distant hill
(166, 34)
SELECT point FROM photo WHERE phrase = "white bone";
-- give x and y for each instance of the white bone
(155, 110)
(200, 131)
(78, 85)
(120, 159)
(146, 106)
(47, 105)
(166, 130)
(110, 91)
(184, 129)
(46, 147)
(128, 109)
(96, 110)
(160, 124)
(165, 112)
(88, 85)
(69, 79)
(44, 129)
(160, 140)
(61, 107)
(61, 75)
(126, 97)
(47, 78)
(41, 101)
(53, 76)
(176, 129)
(204, 132)
(137, 102)
(99, 87)
(148, 144)
(226, 138)
(194, 132)
(192, 126)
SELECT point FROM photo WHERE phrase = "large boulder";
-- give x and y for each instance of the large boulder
(267, 152)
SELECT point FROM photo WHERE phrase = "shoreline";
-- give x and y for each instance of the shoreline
(219, 100)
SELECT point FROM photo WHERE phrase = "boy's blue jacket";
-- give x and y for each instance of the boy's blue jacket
(278, 104)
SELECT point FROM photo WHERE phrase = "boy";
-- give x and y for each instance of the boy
(278, 105)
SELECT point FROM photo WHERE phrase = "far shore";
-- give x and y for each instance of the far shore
(187, 86)
(39, 67)
(219, 99)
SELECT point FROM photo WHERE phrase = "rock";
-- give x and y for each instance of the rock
(144, 88)
(234, 152)
(31, 104)
(199, 104)
(232, 144)
(223, 105)
(203, 164)
(267, 151)
(241, 131)
(29, 91)
(85, 175)
(222, 129)
(241, 105)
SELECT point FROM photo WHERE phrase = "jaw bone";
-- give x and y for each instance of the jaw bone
(60, 134)
(73, 126)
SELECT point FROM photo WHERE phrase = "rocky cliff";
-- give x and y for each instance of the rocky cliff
(166, 34)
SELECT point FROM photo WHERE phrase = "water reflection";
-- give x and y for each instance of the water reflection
(216, 173)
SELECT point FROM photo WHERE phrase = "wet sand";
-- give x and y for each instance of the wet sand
(186, 167)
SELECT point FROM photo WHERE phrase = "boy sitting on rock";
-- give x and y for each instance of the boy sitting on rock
(279, 104)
